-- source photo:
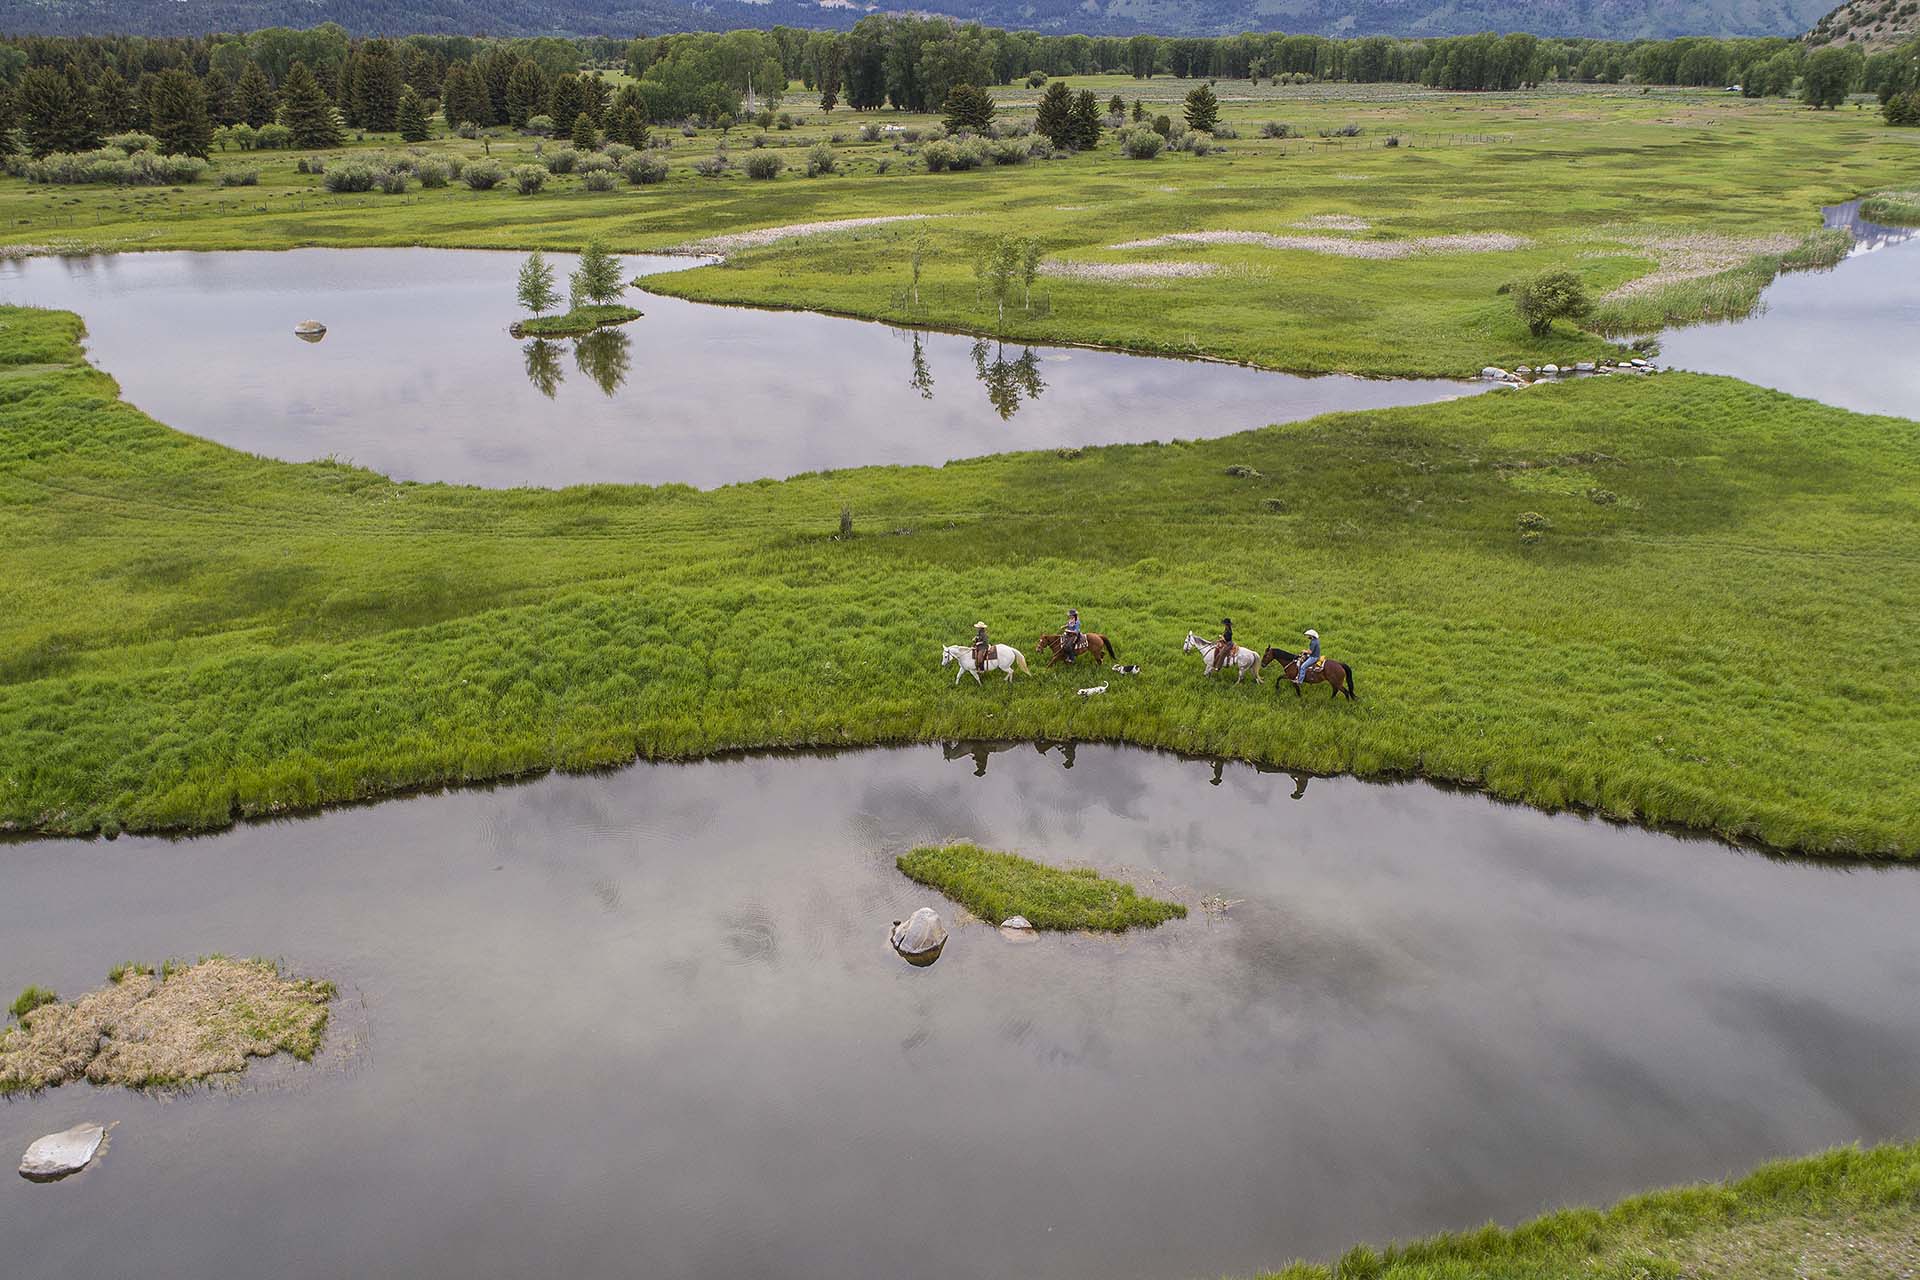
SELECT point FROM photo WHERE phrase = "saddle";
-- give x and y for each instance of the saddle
(1223, 651)
(982, 655)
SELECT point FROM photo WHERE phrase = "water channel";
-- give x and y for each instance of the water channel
(647, 1022)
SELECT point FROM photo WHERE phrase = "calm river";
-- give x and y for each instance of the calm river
(418, 377)
(647, 1023)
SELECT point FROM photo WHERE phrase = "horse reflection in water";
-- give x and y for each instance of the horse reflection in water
(979, 752)
(1300, 780)
(604, 356)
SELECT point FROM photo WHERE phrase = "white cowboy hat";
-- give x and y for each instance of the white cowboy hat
(1315, 634)
(978, 625)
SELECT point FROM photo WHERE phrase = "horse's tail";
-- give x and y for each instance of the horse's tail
(1113, 650)
(1020, 660)
(1351, 695)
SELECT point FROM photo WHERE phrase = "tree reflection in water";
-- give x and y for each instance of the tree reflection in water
(1007, 381)
(605, 356)
(922, 380)
(543, 366)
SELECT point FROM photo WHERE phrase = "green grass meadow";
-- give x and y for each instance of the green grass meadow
(1712, 630)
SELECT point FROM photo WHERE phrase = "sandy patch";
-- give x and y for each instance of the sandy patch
(736, 240)
(1127, 272)
(198, 1021)
(1691, 255)
(1479, 242)
(1334, 222)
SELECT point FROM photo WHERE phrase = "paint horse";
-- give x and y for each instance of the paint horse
(1242, 659)
(1092, 643)
(1004, 658)
(1336, 675)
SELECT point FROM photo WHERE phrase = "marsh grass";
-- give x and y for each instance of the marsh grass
(1845, 1213)
(995, 885)
(1726, 295)
(192, 1021)
(30, 998)
(1892, 207)
(194, 635)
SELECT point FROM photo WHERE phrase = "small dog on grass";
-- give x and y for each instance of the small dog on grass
(1131, 669)
(1088, 693)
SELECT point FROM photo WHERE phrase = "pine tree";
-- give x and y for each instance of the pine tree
(597, 279)
(410, 117)
(1203, 109)
(373, 86)
(1086, 121)
(219, 92)
(177, 113)
(7, 123)
(308, 111)
(253, 99)
(455, 100)
(536, 290)
(1116, 106)
(968, 107)
(1139, 111)
(585, 136)
(630, 127)
(113, 104)
(1054, 117)
(595, 98)
(526, 93)
(51, 118)
(566, 101)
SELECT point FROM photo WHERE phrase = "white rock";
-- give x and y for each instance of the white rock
(1524, 370)
(1493, 373)
(1016, 922)
(920, 935)
(1585, 366)
(59, 1154)
(1550, 370)
(309, 326)
(1638, 363)
(1018, 929)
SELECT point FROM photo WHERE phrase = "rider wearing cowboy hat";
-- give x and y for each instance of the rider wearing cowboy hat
(982, 649)
(1070, 635)
(1310, 659)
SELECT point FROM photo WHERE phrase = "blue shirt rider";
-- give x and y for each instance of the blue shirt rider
(1310, 659)
(1070, 635)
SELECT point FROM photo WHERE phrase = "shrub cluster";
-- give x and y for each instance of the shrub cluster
(942, 155)
(134, 141)
(528, 178)
(112, 166)
(1903, 108)
(822, 159)
(644, 168)
(240, 178)
(765, 165)
(599, 180)
(1344, 131)
(1278, 129)
(483, 175)
(713, 166)
(562, 161)
(1142, 144)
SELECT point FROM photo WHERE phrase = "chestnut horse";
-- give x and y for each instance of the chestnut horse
(1092, 643)
(1337, 676)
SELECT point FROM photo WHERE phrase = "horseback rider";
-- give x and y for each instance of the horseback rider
(982, 648)
(1310, 659)
(1070, 635)
(1224, 646)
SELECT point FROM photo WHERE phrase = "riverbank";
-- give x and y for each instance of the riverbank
(1847, 1214)
(1304, 254)
(1597, 595)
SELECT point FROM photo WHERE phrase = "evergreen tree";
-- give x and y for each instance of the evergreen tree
(566, 102)
(630, 127)
(458, 91)
(1116, 106)
(410, 117)
(1086, 121)
(968, 107)
(51, 118)
(526, 93)
(219, 93)
(1054, 118)
(177, 113)
(253, 99)
(1139, 111)
(1203, 109)
(113, 102)
(373, 86)
(585, 136)
(536, 290)
(306, 109)
(598, 277)
(8, 123)
(595, 98)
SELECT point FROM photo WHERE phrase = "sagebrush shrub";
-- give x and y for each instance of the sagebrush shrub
(483, 175)
(644, 168)
(764, 165)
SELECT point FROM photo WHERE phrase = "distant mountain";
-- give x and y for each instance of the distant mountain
(1618, 19)
(1873, 24)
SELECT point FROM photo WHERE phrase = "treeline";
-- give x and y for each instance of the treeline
(68, 94)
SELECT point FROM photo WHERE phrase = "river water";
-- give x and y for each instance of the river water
(647, 1022)
(419, 378)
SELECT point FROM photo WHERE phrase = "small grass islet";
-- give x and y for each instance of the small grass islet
(580, 320)
(146, 1029)
(995, 885)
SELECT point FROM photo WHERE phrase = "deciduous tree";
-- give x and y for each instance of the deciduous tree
(597, 279)
(536, 288)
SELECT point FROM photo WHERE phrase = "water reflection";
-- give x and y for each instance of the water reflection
(543, 366)
(606, 357)
(1007, 381)
(922, 379)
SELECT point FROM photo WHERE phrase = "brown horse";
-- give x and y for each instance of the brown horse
(1336, 675)
(1091, 642)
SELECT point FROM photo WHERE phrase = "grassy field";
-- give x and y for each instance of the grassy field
(1844, 1214)
(995, 886)
(1678, 598)
(1616, 184)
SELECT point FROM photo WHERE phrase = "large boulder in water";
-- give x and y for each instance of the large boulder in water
(920, 936)
(59, 1154)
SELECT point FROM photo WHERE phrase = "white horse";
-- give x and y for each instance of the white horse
(1005, 658)
(1243, 658)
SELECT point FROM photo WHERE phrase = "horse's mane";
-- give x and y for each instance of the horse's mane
(1286, 655)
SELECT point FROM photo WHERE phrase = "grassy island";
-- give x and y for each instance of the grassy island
(146, 1029)
(995, 885)
(577, 321)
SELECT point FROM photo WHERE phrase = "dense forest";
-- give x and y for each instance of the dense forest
(60, 94)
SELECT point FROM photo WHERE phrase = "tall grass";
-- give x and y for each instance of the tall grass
(995, 886)
(1727, 295)
(1893, 207)
(189, 634)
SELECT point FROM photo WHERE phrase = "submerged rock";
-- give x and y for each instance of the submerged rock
(59, 1154)
(920, 936)
(309, 331)
(1018, 929)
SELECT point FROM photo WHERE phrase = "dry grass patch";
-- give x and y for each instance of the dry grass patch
(1694, 255)
(1127, 272)
(185, 1024)
(1475, 242)
(1334, 222)
(737, 240)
